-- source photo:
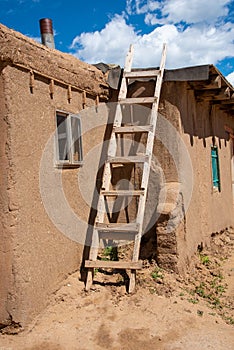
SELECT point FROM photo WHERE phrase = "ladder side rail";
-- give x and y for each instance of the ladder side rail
(149, 150)
(112, 147)
(163, 58)
(153, 120)
(127, 68)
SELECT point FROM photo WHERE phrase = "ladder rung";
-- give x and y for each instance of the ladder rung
(130, 159)
(131, 100)
(118, 236)
(142, 73)
(132, 129)
(117, 227)
(132, 265)
(122, 193)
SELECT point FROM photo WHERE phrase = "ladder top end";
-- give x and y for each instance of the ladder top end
(131, 47)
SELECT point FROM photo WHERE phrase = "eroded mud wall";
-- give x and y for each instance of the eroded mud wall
(36, 253)
(208, 210)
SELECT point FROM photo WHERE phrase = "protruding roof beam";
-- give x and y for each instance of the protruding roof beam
(214, 83)
(223, 94)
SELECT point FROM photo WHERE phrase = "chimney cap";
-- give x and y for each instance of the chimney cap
(46, 26)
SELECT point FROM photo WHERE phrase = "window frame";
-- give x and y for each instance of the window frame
(70, 162)
(215, 168)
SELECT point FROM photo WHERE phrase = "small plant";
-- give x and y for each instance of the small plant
(107, 251)
(205, 259)
(201, 291)
(200, 313)
(230, 320)
(157, 274)
(110, 252)
(220, 289)
(152, 290)
(214, 301)
(191, 292)
(193, 300)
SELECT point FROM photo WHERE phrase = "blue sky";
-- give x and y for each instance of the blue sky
(196, 31)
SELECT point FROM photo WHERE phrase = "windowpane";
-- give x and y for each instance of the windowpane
(76, 139)
(62, 138)
(69, 146)
(215, 167)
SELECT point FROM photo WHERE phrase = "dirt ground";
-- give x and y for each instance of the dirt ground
(167, 312)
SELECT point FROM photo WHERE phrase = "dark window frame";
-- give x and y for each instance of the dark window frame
(215, 168)
(68, 142)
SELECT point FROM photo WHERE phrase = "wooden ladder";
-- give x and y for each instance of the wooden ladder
(123, 231)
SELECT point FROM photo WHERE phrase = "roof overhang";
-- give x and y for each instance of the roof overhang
(207, 82)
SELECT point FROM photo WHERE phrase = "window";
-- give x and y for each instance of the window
(215, 167)
(68, 140)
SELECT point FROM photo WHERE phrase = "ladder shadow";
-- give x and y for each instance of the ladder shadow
(123, 273)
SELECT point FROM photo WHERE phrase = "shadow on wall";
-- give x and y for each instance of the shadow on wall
(198, 118)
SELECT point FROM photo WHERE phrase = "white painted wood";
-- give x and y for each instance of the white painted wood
(132, 129)
(114, 264)
(132, 100)
(123, 193)
(142, 74)
(117, 236)
(127, 68)
(119, 227)
(118, 230)
(130, 159)
(146, 168)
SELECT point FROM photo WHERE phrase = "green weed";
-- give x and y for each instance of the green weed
(110, 252)
(193, 301)
(230, 320)
(205, 259)
(157, 274)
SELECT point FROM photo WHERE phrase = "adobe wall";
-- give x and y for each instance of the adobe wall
(35, 255)
(209, 210)
(6, 217)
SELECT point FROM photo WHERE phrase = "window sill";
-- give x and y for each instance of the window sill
(68, 165)
(216, 190)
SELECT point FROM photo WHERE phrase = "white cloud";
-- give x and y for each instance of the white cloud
(194, 45)
(141, 6)
(146, 6)
(230, 78)
(108, 45)
(175, 11)
(194, 11)
(129, 6)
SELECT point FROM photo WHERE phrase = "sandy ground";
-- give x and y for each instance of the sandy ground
(162, 314)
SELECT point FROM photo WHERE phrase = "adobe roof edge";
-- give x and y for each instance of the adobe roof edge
(19, 50)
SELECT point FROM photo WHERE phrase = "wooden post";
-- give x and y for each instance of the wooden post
(84, 99)
(69, 93)
(31, 81)
(51, 88)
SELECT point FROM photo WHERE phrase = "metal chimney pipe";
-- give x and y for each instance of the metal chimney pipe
(47, 34)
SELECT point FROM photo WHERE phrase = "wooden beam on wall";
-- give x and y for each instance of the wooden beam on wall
(223, 94)
(31, 81)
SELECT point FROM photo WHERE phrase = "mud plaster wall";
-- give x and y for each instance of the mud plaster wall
(209, 210)
(216, 210)
(37, 256)
(5, 215)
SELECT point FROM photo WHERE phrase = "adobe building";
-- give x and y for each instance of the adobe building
(191, 186)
